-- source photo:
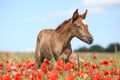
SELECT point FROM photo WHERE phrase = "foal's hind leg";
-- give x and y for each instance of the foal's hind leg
(39, 60)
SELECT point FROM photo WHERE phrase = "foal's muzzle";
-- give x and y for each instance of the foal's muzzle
(89, 40)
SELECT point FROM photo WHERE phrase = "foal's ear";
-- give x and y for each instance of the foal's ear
(84, 14)
(75, 15)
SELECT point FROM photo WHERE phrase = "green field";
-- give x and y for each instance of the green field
(87, 55)
(82, 66)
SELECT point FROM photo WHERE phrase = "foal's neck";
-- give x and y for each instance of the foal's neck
(64, 32)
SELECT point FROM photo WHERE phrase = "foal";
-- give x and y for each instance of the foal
(57, 42)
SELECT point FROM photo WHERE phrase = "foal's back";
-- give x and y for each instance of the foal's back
(45, 37)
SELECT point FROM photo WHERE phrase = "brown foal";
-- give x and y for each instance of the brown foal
(57, 42)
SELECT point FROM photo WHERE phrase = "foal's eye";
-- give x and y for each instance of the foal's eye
(78, 27)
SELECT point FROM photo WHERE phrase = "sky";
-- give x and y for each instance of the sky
(22, 20)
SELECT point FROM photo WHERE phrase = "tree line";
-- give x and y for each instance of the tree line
(113, 47)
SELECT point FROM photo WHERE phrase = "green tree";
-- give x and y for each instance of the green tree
(96, 48)
(82, 49)
(111, 47)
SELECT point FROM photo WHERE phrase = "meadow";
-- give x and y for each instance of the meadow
(81, 66)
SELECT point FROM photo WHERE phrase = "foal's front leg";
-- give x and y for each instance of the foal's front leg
(66, 54)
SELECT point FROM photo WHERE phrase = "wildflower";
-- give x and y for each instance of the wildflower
(6, 77)
(119, 77)
(59, 64)
(68, 66)
(27, 75)
(70, 77)
(94, 57)
(105, 63)
(108, 78)
(13, 68)
(94, 66)
(96, 78)
(1, 65)
(71, 59)
(47, 62)
(112, 62)
(100, 74)
(113, 71)
(7, 55)
(19, 64)
(80, 73)
(105, 72)
(29, 64)
(80, 59)
(53, 75)
(33, 76)
(45, 66)
(18, 76)
(8, 67)
(40, 74)
(86, 64)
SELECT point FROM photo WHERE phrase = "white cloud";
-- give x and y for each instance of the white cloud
(69, 12)
(101, 2)
(96, 10)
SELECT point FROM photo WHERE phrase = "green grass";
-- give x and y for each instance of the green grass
(18, 55)
(86, 55)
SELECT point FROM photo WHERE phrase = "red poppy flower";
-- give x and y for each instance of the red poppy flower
(93, 66)
(109, 78)
(105, 72)
(53, 75)
(86, 64)
(96, 78)
(1, 65)
(47, 62)
(59, 64)
(29, 64)
(71, 59)
(18, 76)
(94, 57)
(70, 77)
(119, 77)
(7, 55)
(105, 63)
(112, 62)
(6, 77)
(100, 74)
(68, 66)
(45, 66)
(19, 64)
(8, 67)
(80, 73)
(40, 74)
(113, 71)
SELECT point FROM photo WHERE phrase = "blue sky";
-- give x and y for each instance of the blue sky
(21, 21)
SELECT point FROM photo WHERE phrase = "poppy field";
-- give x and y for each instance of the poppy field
(84, 66)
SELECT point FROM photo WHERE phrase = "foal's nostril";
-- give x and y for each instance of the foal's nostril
(90, 40)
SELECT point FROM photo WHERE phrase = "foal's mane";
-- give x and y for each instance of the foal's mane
(63, 24)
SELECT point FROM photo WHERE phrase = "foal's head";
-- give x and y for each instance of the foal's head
(80, 28)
